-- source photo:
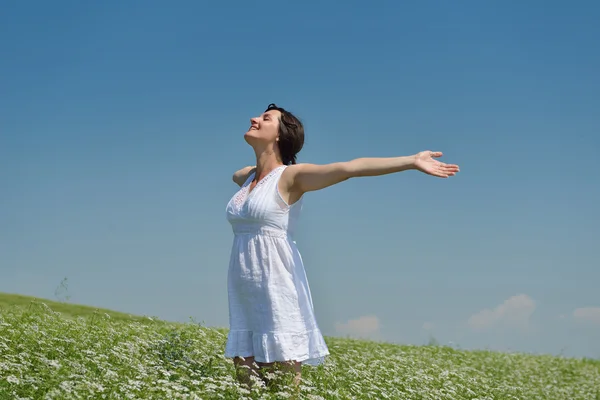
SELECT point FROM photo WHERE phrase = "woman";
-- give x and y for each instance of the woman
(271, 315)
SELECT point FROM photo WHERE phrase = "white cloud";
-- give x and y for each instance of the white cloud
(587, 314)
(367, 326)
(428, 326)
(514, 312)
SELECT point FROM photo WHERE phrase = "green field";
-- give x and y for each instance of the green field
(53, 350)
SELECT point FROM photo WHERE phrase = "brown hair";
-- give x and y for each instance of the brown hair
(291, 134)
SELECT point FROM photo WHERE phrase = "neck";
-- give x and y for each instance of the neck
(266, 161)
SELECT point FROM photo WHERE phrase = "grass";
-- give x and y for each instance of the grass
(53, 350)
(9, 301)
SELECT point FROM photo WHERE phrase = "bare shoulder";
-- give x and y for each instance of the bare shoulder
(309, 177)
(300, 170)
(240, 176)
(290, 173)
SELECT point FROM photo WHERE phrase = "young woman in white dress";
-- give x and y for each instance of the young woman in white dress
(271, 315)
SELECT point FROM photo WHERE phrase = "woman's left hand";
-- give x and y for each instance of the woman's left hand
(424, 162)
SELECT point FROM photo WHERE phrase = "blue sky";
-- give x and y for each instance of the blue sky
(122, 123)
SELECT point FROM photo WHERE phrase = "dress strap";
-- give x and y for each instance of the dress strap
(273, 176)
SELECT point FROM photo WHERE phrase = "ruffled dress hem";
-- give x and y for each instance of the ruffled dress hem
(266, 347)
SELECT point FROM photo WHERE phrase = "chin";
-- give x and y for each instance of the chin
(250, 138)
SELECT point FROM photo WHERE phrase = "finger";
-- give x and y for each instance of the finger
(445, 164)
(439, 173)
(444, 172)
(450, 167)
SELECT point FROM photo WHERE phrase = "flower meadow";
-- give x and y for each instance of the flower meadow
(45, 354)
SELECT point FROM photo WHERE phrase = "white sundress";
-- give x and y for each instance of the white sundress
(271, 314)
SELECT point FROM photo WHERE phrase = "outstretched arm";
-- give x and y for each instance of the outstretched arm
(310, 177)
(241, 175)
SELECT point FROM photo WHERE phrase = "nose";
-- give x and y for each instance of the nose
(254, 121)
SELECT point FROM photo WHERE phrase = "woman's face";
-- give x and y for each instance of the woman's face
(264, 129)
